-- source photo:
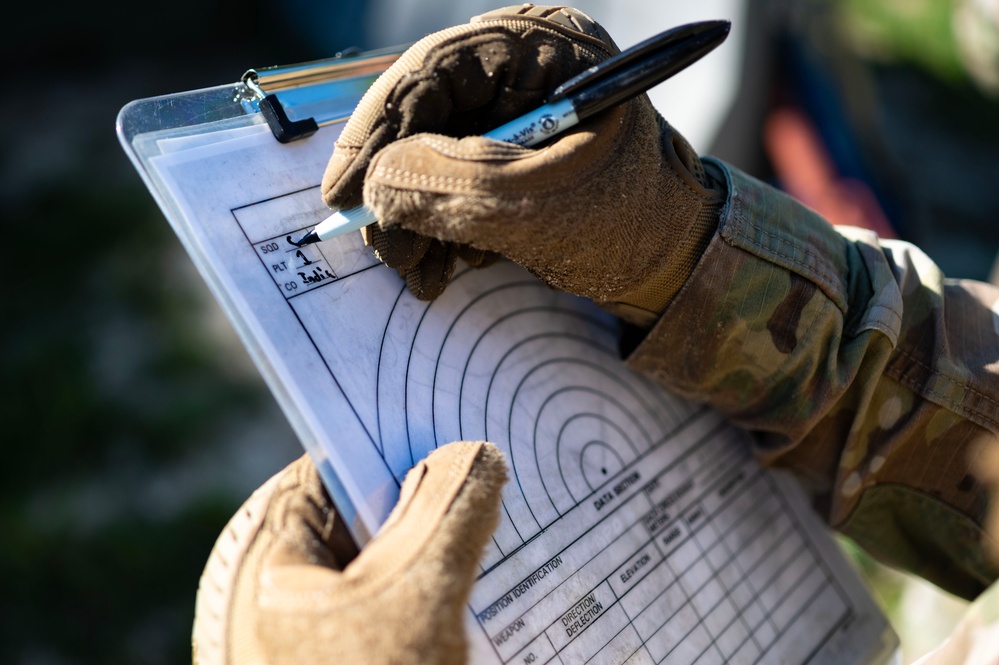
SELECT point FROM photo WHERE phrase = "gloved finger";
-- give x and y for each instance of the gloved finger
(505, 199)
(424, 263)
(290, 518)
(477, 258)
(460, 81)
(463, 81)
(396, 247)
(478, 191)
(287, 601)
(427, 279)
(448, 508)
(588, 212)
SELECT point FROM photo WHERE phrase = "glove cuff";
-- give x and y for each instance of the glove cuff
(699, 218)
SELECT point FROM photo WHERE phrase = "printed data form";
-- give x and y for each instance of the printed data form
(635, 527)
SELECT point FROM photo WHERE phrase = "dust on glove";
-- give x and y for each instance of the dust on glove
(617, 210)
(285, 584)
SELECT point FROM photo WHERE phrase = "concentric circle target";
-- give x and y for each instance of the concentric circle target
(533, 370)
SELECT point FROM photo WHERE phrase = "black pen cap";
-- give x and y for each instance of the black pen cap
(641, 67)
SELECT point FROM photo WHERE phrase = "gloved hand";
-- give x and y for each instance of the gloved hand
(285, 584)
(618, 209)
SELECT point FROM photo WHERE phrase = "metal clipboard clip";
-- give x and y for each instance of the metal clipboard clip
(296, 100)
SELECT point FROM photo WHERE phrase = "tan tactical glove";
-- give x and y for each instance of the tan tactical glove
(282, 584)
(618, 209)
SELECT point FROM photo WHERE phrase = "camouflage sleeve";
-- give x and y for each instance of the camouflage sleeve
(858, 366)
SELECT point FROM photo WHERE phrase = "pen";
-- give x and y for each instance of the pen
(600, 87)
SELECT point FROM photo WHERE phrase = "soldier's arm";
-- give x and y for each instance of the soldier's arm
(859, 367)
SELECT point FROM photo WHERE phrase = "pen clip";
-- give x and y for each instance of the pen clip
(641, 51)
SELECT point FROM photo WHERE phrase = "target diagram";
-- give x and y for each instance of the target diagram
(635, 526)
(623, 502)
(499, 356)
(503, 358)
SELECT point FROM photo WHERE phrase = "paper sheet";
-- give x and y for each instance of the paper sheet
(635, 528)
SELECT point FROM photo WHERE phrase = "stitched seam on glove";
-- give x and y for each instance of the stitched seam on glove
(388, 176)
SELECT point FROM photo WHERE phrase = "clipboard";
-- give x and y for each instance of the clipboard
(636, 526)
(291, 102)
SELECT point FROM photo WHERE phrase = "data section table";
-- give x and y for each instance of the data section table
(689, 558)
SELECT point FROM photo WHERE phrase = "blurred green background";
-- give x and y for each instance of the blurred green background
(138, 423)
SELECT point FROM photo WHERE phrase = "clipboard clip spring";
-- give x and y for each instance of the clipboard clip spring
(285, 129)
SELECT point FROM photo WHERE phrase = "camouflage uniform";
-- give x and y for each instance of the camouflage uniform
(859, 366)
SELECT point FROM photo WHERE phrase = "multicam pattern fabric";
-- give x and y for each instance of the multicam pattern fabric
(857, 365)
